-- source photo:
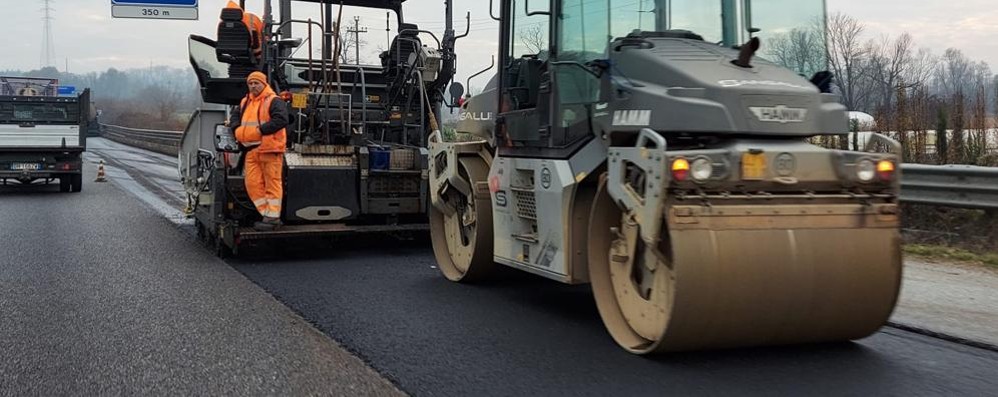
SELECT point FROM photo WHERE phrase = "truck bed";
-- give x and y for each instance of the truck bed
(39, 136)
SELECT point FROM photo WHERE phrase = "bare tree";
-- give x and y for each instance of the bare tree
(957, 144)
(891, 66)
(976, 143)
(533, 38)
(921, 65)
(953, 73)
(161, 101)
(801, 49)
(846, 55)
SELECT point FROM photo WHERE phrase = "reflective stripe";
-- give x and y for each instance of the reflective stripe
(251, 124)
(272, 214)
(260, 202)
(253, 143)
(276, 203)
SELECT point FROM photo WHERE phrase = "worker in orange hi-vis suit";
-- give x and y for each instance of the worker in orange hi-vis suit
(260, 128)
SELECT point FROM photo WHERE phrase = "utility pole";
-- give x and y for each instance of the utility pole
(48, 47)
(388, 31)
(357, 30)
(641, 8)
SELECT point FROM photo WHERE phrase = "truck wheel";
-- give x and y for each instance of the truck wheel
(65, 184)
(76, 180)
(222, 251)
(202, 233)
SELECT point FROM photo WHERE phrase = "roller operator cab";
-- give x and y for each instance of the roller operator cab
(356, 155)
(656, 154)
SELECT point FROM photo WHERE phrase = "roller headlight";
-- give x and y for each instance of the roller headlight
(701, 169)
(866, 170)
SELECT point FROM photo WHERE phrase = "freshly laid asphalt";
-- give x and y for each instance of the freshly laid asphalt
(125, 301)
(523, 335)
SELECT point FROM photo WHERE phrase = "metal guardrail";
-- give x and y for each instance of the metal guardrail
(166, 142)
(958, 186)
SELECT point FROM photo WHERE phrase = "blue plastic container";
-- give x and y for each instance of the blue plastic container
(380, 159)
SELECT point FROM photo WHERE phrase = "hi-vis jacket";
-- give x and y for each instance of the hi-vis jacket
(260, 122)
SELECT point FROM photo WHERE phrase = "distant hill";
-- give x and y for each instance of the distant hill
(119, 84)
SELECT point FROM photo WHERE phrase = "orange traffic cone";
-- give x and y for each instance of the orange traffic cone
(100, 173)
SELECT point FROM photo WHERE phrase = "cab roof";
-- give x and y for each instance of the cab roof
(386, 4)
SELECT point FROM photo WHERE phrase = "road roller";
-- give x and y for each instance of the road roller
(657, 155)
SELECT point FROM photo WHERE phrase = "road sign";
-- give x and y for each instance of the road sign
(155, 9)
(168, 3)
(67, 90)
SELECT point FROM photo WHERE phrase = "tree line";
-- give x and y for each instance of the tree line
(941, 107)
(158, 97)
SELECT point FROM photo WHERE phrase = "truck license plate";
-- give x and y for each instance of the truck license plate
(753, 166)
(25, 166)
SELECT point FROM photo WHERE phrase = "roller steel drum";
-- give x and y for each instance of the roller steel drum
(740, 276)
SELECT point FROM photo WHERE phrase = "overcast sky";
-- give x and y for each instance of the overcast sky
(87, 36)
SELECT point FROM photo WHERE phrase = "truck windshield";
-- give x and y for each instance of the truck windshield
(699, 16)
(39, 113)
(792, 31)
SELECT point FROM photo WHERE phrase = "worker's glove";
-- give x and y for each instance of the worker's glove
(246, 149)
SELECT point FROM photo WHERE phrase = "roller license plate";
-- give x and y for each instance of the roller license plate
(753, 166)
(25, 166)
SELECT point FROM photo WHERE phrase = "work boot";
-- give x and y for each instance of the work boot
(267, 224)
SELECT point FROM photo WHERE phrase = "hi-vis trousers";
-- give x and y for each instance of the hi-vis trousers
(264, 181)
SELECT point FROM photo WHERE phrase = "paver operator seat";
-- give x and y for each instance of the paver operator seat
(240, 40)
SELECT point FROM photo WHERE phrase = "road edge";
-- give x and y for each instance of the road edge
(943, 336)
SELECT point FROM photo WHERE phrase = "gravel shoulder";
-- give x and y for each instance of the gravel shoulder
(955, 299)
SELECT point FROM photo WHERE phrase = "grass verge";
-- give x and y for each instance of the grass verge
(941, 252)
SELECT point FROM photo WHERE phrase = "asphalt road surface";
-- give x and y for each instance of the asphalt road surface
(528, 336)
(100, 295)
(384, 301)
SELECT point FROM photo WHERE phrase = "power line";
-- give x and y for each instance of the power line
(48, 45)
(357, 30)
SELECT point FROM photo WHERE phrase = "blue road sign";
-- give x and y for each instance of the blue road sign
(67, 90)
(155, 9)
(162, 3)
